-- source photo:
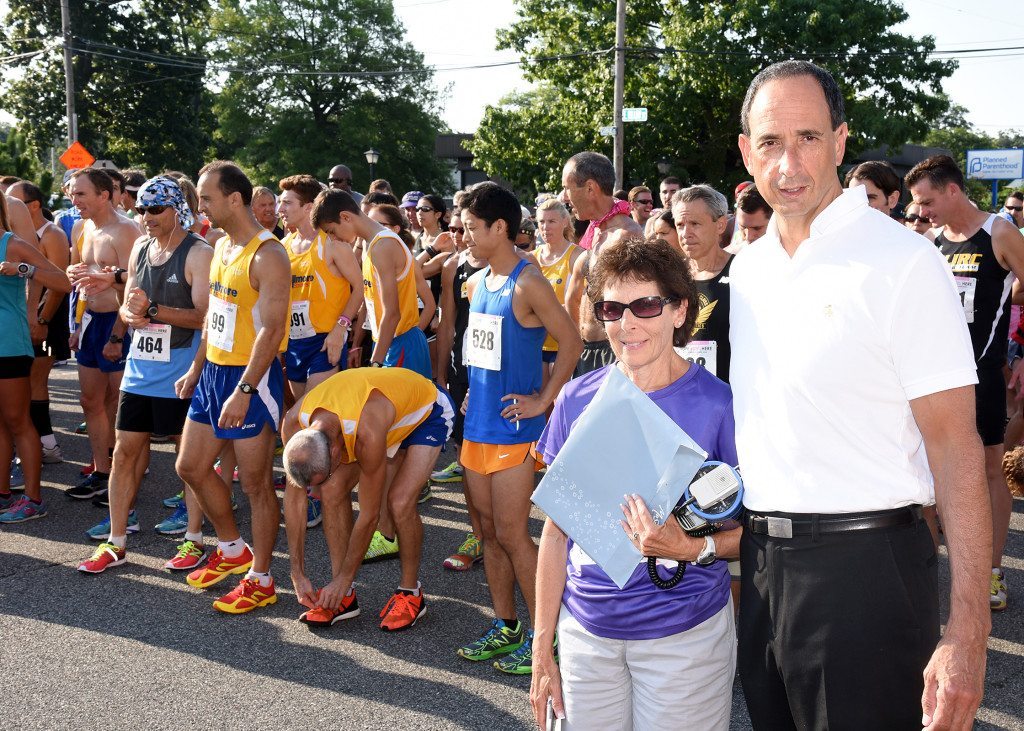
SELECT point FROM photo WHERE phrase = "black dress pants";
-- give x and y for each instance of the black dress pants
(835, 630)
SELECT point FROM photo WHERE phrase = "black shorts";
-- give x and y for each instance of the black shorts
(596, 354)
(990, 405)
(57, 334)
(151, 414)
(15, 366)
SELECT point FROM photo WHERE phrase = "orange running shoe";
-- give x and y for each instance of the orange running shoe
(323, 617)
(246, 596)
(402, 611)
(219, 567)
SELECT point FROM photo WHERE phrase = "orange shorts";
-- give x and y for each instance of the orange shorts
(490, 458)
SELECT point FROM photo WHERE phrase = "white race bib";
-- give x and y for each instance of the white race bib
(702, 352)
(152, 342)
(301, 326)
(483, 341)
(966, 287)
(86, 319)
(371, 319)
(220, 324)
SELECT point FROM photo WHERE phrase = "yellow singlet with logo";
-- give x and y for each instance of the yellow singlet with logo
(81, 303)
(410, 314)
(558, 274)
(344, 394)
(324, 293)
(232, 320)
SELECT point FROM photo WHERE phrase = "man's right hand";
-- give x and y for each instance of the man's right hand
(305, 592)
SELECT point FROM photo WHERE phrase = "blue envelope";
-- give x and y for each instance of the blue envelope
(621, 443)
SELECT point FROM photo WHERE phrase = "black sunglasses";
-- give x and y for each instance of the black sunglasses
(914, 218)
(424, 209)
(645, 307)
(457, 229)
(155, 210)
(339, 181)
(1014, 208)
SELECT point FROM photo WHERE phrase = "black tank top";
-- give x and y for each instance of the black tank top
(713, 317)
(165, 284)
(464, 271)
(984, 288)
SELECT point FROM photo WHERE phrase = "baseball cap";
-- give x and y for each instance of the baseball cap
(410, 199)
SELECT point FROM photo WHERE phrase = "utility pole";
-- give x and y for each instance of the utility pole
(69, 71)
(620, 81)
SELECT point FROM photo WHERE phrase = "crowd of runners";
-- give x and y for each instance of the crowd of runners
(356, 336)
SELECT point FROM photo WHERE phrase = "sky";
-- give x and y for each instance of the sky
(462, 33)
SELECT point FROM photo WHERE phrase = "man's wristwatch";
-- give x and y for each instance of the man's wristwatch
(42, 320)
(25, 271)
(707, 556)
(119, 275)
(375, 364)
(115, 339)
(246, 388)
(154, 308)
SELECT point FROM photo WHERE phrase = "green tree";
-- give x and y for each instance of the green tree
(138, 76)
(315, 83)
(690, 63)
(14, 158)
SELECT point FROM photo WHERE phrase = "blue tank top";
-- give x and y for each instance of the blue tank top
(518, 356)
(13, 312)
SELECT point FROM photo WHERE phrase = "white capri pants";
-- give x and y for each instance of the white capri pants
(684, 679)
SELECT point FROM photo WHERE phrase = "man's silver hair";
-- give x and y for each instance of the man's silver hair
(307, 453)
(715, 201)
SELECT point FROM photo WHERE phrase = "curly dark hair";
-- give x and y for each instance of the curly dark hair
(1013, 470)
(648, 260)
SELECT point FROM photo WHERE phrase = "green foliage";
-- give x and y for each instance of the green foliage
(281, 113)
(962, 137)
(140, 99)
(689, 64)
(14, 158)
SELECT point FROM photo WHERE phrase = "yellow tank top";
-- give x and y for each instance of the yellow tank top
(232, 320)
(80, 303)
(318, 295)
(558, 274)
(344, 394)
(410, 314)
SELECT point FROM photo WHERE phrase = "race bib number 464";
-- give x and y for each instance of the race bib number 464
(483, 341)
(152, 342)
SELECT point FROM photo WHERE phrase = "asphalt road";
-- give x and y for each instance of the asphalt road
(137, 645)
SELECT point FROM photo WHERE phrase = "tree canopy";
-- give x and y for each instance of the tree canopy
(689, 64)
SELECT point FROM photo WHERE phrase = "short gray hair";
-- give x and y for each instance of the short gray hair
(307, 453)
(584, 166)
(791, 69)
(717, 204)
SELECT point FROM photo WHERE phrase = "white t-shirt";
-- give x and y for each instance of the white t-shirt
(828, 349)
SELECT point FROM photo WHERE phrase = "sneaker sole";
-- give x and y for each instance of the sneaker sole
(490, 655)
(382, 557)
(24, 520)
(352, 614)
(314, 523)
(516, 671)
(464, 567)
(171, 532)
(213, 582)
(445, 480)
(112, 563)
(423, 611)
(272, 599)
(83, 496)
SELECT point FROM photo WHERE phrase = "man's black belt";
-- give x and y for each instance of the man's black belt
(787, 525)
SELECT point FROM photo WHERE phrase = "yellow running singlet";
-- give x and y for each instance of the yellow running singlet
(318, 296)
(410, 314)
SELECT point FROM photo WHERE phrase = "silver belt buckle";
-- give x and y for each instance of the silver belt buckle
(780, 527)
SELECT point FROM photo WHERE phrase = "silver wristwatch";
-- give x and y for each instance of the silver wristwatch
(707, 556)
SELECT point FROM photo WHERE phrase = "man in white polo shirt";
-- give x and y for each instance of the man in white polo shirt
(850, 358)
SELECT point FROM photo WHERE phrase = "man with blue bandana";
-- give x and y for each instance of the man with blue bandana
(166, 294)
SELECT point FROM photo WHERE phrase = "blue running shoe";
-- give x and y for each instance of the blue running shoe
(6, 501)
(175, 501)
(22, 510)
(100, 531)
(176, 524)
(313, 512)
(17, 476)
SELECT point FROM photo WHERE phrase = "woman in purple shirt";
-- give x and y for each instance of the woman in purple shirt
(631, 658)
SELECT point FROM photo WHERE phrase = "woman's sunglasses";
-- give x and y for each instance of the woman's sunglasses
(914, 218)
(645, 307)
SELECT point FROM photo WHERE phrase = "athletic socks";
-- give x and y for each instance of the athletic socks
(413, 592)
(231, 549)
(118, 541)
(263, 579)
(194, 537)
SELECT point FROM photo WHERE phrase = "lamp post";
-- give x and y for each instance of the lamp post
(372, 156)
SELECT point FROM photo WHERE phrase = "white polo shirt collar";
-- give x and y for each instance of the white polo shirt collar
(847, 205)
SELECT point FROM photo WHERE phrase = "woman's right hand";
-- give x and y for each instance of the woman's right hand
(546, 683)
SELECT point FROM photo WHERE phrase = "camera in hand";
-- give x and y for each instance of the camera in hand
(713, 497)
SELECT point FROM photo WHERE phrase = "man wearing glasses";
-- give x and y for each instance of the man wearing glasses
(641, 203)
(1013, 209)
(340, 178)
(356, 427)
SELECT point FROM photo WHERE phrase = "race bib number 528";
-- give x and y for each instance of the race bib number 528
(483, 341)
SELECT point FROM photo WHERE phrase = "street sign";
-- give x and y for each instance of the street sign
(76, 156)
(105, 165)
(995, 164)
(608, 131)
(634, 114)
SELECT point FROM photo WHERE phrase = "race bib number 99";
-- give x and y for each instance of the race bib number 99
(483, 341)
(220, 324)
(152, 342)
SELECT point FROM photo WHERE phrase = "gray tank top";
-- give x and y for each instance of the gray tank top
(166, 285)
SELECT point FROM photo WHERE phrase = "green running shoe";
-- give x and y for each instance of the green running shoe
(499, 640)
(451, 473)
(381, 549)
(519, 662)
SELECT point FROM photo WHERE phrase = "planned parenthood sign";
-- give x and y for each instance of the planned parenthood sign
(995, 164)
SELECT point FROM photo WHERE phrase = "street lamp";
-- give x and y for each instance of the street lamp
(664, 165)
(372, 156)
